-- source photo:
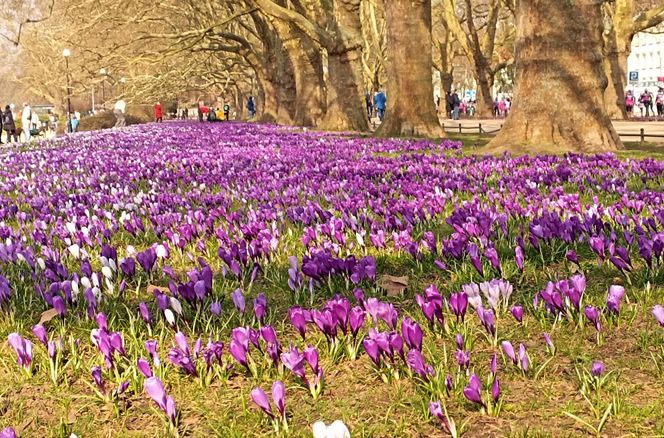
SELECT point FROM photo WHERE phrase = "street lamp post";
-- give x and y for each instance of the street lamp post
(102, 72)
(122, 82)
(67, 53)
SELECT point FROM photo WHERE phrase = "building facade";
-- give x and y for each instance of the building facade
(645, 63)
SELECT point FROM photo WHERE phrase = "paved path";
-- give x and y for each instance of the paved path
(622, 126)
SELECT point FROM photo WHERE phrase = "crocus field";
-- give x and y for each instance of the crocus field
(241, 280)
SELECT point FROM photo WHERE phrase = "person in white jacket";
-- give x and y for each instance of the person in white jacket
(119, 112)
(26, 120)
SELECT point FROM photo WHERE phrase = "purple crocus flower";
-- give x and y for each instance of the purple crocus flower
(493, 366)
(311, 357)
(572, 257)
(412, 333)
(97, 377)
(371, 347)
(616, 294)
(495, 390)
(658, 313)
(473, 392)
(509, 351)
(356, 320)
(23, 349)
(279, 397)
(239, 300)
(151, 347)
(59, 305)
(298, 317)
(463, 359)
(8, 432)
(155, 389)
(488, 320)
(416, 363)
(144, 367)
(128, 266)
(239, 352)
(294, 361)
(147, 259)
(436, 410)
(597, 369)
(524, 358)
(145, 312)
(593, 315)
(517, 313)
(260, 307)
(459, 304)
(40, 333)
(519, 257)
(215, 308)
(461, 344)
(268, 334)
(549, 343)
(260, 398)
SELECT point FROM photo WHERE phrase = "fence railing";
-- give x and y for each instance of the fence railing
(480, 130)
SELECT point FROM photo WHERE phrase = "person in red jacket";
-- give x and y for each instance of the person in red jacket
(158, 114)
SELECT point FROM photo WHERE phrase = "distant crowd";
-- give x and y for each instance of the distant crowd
(646, 105)
(26, 124)
(454, 106)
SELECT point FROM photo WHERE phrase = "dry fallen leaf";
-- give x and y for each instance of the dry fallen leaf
(393, 285)
(47, 316)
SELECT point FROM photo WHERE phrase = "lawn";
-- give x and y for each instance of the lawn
(405, 287)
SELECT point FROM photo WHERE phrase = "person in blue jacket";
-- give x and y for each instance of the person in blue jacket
(380, 100)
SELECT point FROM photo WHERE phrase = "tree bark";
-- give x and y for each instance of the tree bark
(559, 101)
(411, 109)
(307, 65)
(615, 64)
(346, 109)
(484, 106)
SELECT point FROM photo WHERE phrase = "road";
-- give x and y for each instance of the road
(622, 126)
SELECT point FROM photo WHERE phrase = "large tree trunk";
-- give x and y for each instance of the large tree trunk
(308, 75)
(411, 109)
(484, 106)
(615, 64)
(346, 109)
(559, 101)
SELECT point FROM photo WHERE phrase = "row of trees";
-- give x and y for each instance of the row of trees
(312, 61)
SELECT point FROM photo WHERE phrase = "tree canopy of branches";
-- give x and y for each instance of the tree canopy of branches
(312, 62)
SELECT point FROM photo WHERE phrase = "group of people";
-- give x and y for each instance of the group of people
(646, 103)
(376, 105)
(31, 125)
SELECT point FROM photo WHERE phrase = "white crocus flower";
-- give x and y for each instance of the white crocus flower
(335, 430)
(75, 251)
(107, 272)
(175, 304)
(170, 318)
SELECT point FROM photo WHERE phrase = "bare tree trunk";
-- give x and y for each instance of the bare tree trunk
(484, 99)
(614, 97)
(411, 109)
(308, 75)
(559, 101)
(345, 87)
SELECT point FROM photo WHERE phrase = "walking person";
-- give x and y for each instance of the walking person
(9, 125)
(456, 103)
(651, 102)
(227, 112)
(629, 103)
(645, 101)
(660, 102)
(26, 120)
(448, 105)
(369, 104)
(380, 101)
(119, 113)
(251, 107)
(158, 113)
